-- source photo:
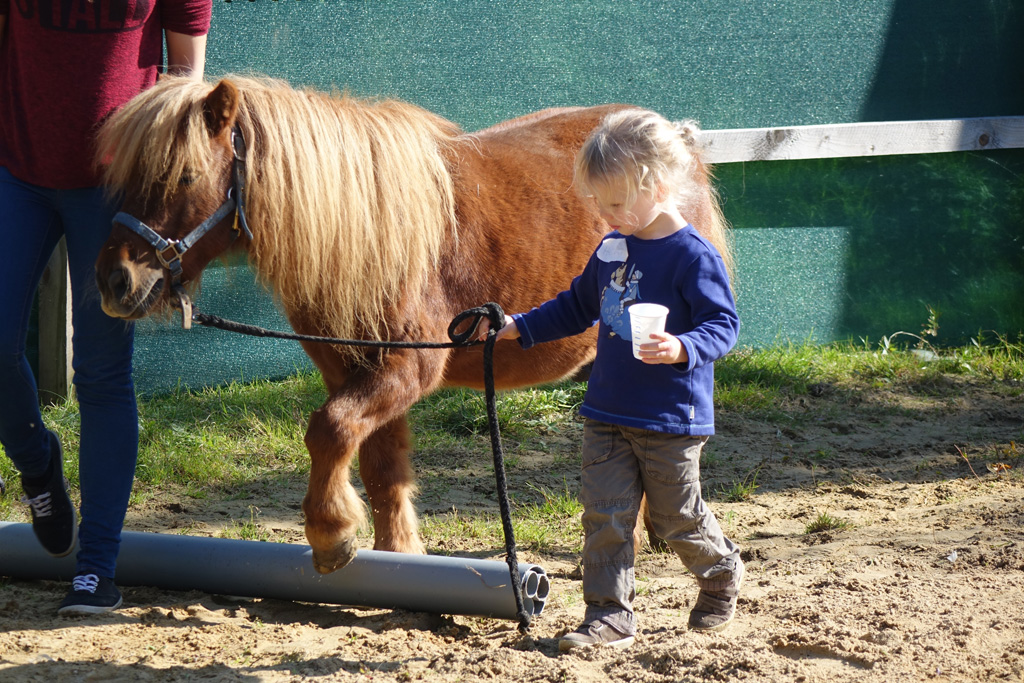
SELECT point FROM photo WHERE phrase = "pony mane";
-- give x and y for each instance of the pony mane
(349, 200)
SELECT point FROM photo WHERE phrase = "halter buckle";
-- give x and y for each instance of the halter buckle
(174, 262)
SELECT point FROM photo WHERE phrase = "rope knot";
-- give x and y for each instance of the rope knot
(490, 310)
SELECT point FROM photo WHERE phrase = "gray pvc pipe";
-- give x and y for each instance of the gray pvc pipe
(418, 583)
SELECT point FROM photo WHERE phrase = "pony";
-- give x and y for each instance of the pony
(367, 219)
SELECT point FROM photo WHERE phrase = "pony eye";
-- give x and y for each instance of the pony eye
(186, 180)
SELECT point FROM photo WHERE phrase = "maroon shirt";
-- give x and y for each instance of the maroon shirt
(65, 65)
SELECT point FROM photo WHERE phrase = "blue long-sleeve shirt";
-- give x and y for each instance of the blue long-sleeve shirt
(683, 272)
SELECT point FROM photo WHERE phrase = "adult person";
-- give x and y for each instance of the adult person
(64, 67)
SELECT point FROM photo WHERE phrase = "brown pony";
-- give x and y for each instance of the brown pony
(370, 220)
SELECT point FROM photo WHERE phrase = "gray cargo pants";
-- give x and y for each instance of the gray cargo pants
(619, 465)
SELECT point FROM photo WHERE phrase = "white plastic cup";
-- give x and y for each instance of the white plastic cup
(645, 319)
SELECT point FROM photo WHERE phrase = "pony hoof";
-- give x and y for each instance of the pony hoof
(335, 558)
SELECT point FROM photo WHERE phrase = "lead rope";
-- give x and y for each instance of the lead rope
(496, 316)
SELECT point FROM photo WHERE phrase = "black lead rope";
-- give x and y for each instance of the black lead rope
(496, 316)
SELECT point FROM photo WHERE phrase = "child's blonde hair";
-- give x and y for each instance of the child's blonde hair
(641, 149)
(648, 153)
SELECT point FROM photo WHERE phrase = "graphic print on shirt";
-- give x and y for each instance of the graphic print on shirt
(622, 290)
(76, 16)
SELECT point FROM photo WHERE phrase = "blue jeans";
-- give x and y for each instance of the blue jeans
(32, 221)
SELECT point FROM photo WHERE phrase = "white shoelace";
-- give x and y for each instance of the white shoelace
(85, 582)
(41, 504)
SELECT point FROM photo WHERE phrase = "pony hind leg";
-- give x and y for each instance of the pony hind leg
(387, 475)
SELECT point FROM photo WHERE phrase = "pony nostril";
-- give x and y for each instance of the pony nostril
(118, 281)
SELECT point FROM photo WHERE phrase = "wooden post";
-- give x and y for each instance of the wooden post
(55, 329)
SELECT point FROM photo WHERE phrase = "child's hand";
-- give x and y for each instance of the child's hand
(663, 348)
(509, 331)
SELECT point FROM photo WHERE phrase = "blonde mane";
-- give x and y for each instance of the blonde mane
(349, 200)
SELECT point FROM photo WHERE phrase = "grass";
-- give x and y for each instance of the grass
(245, 441)
(463, 412)
(250, 530)
(762, 382)
(741, 490)
(228, 435)
(826, 522)
(538, 527)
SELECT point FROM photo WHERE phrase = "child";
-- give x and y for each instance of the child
(646, 421)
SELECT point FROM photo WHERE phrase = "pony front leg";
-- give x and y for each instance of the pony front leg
(385, 470)
(334, 512)
(366, 411)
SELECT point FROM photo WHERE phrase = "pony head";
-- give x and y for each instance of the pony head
(350, 201)
(170, 156)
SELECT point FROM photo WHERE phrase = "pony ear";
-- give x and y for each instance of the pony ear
(221, 107)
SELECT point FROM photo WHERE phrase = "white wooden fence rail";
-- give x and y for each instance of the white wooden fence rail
(862, 139)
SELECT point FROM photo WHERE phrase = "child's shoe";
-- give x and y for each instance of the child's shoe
(593, 633)
(714, 610)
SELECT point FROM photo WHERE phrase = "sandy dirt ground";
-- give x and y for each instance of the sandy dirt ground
(926, 581)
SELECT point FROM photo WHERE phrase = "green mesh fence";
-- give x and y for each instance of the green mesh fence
(940, 233)
(829, 249)
(727, 63)
(166, 356)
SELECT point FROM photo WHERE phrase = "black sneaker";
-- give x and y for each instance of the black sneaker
(91, 594)
(53, 515)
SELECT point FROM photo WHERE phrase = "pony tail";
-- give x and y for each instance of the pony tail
(714, 227)
(716, 230)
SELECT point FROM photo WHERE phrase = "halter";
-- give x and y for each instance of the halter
(170, 252)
